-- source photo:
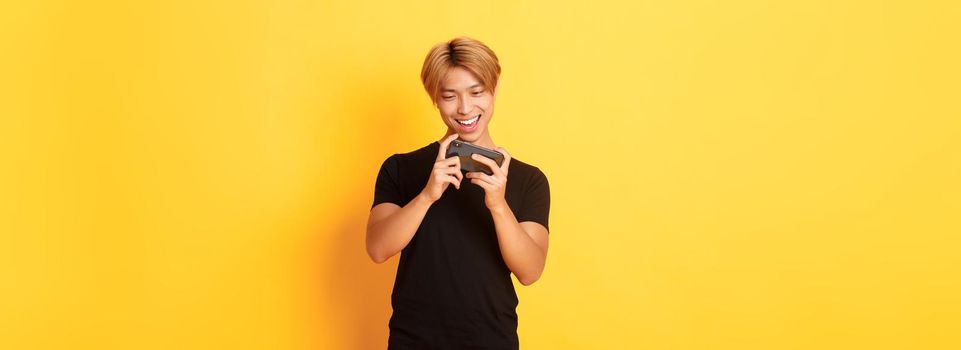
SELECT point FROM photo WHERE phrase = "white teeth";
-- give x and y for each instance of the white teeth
(470, 121)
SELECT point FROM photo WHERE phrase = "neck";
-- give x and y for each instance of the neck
(484, 140)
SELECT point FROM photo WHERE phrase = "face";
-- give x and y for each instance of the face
(462, 99)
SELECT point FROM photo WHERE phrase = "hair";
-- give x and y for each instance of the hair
(464, 52)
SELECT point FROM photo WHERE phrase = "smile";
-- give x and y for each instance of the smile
(470, 121)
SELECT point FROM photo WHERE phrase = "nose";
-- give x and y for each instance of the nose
(462, 106)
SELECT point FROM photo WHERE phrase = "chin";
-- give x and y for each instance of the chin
(470, 138)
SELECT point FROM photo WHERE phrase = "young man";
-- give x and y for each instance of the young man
(459, 242)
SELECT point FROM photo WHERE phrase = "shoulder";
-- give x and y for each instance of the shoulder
(526, 173)
(424, 154)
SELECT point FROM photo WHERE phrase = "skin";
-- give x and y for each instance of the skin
(523, 245)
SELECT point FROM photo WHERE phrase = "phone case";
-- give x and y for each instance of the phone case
(464, 150)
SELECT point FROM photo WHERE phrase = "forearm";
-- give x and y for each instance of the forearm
(521, 254)
(390, 235)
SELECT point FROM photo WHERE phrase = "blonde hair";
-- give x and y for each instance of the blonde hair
(464, 52)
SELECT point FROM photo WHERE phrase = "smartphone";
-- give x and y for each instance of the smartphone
(464, 150)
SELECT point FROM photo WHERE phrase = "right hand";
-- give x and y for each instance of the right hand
(445, 173)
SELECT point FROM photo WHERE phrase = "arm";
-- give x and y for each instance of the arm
(390, 227)
(523, 245)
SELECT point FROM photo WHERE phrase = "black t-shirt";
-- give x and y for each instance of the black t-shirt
(453, 289)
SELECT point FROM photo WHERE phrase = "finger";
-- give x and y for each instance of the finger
(456, 173)
(447, 179)
(484, 177)
(486, 186)
(507, 159)
(447, 163)
(444, 173)
(454, 181)
(489, 162)
(442, 153)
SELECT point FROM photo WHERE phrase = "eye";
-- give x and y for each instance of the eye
(478, 93)
(448, 98)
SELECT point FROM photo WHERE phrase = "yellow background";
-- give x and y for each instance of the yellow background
(724, 175)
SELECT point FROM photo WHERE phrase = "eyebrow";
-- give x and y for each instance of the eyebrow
(471, 87)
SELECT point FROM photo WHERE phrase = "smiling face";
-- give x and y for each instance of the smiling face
(466, 106)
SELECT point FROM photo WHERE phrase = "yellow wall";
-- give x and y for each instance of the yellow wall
(725, 175)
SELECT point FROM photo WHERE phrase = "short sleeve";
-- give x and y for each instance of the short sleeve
(387, 187)
(537, 200)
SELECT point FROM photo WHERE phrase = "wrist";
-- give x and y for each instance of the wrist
(423, 198)
(499, 209)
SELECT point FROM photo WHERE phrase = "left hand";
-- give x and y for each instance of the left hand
(494, 185)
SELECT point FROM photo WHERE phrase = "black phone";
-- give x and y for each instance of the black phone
(464, 150)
